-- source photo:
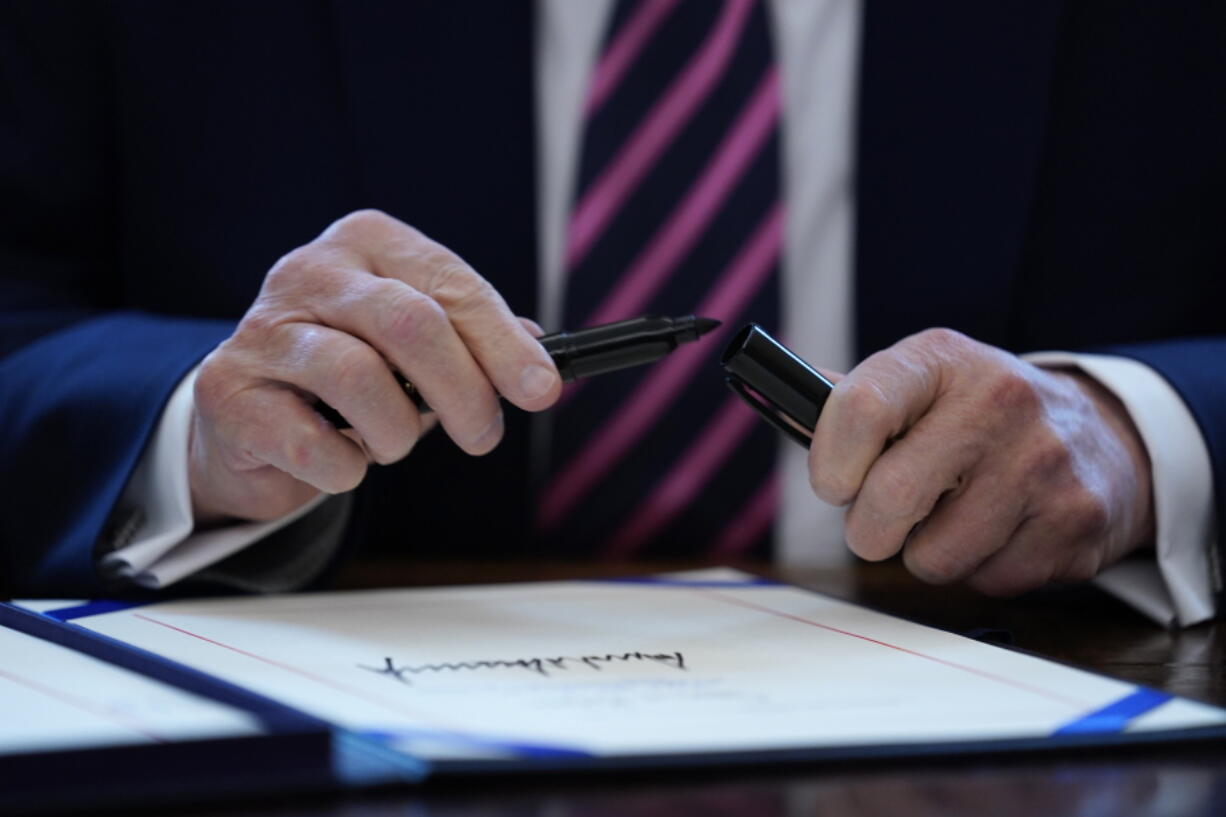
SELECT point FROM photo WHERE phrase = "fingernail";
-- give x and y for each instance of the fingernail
(535, 381)
(491, 433)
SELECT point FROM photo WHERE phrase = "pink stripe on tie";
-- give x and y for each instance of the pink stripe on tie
(624, 48)
(663, 121)
(704, 199)
(733, 290)
(668, 497)
(749, 523)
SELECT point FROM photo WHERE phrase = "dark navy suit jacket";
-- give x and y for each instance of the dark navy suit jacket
(1035, 173)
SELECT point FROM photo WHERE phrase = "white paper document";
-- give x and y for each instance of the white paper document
(54, 698)
(711, 661)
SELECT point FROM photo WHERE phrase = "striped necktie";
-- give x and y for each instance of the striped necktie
(676, 211)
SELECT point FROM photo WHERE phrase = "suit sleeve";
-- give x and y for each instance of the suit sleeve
(1196, 369)
(82, 379)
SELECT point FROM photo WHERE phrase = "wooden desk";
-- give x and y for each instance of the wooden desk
(1080, 626)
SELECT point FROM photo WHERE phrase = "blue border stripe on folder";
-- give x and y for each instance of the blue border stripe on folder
(1115, 716)
(272, 714)
(516, 748)
(92, 608)
(661, 581)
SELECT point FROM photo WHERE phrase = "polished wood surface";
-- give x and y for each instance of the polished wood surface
(1080, 626)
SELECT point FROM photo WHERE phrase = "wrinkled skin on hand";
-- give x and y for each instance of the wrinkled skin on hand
(978, 466)
(332, 321)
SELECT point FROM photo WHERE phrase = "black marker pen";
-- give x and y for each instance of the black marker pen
(593, 350)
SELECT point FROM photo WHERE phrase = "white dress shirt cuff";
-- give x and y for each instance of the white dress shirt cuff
(163, 549)
(1178, 588)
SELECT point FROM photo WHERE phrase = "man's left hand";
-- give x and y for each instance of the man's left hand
(980, 466)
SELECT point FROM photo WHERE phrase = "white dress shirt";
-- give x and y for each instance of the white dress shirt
(817, 47)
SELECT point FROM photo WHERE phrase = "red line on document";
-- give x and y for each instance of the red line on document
(84, 705)
(991, 676)
(392, 706)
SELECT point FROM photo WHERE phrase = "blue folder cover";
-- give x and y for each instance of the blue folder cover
(295, 752)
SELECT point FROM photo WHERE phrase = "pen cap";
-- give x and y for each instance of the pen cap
(787, 384)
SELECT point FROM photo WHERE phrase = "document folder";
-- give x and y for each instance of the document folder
(699, 668)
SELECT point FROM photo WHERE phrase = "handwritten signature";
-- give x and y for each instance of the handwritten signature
(539, 666)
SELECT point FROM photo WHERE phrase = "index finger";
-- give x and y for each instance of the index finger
(518, 366)
(871, 405)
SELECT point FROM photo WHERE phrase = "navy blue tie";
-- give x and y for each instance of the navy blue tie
(677, 210)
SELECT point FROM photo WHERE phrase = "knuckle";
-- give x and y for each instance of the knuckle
(392, 442)
(301, 450)
(927, 351)
(362, 222)
(829, 486)
(940, 337)
(1010, 392)
(301, 271)
(364, 228)
(289, 266)
(398, 450)
(1084, 565)
(1048, 458)
(368, 214)
(345, 479)
(862, 541)
(258, 322)
(289, 340)
(411, 316)
(306, 274)
(934, 562)
(265, 323)
(863, 400)
(896, 490)
(212, 384)
(1087, 515)
(452, 281)
(871, 539)
(354, 367)
(309, 456)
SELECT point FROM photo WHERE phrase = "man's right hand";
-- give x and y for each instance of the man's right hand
(332, 321)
